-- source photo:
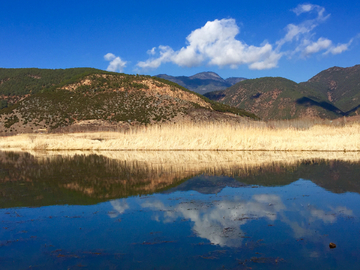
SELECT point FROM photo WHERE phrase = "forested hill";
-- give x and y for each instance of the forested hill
(34, 99)
(341, 86)
(15, 83)
(22, 81)
(332, 93)
(277, 98)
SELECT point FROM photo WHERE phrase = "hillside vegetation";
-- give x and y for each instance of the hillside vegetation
(276, 98)
(35, 99)
(21, 81)
(341, 86)
(332, 93)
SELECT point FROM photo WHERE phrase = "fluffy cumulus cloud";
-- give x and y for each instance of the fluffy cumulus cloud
(215, 44)
(116, 64)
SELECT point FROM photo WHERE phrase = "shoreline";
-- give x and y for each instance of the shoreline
(175, 150)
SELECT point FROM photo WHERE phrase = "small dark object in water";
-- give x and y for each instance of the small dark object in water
(332, 245)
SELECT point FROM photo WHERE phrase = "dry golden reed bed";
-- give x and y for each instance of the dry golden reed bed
(199, 137)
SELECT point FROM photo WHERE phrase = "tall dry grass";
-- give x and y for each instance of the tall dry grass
(209, 136)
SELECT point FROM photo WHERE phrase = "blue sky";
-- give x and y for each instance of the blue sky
(291, 39)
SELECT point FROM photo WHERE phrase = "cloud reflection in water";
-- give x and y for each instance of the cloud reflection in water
(222, 221)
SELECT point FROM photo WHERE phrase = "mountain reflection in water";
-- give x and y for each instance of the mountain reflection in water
(38, 179)
(194, 210)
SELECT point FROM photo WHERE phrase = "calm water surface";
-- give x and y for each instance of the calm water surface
(96, 212)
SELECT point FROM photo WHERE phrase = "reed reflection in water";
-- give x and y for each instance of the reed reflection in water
(195, 210)
(40, 178)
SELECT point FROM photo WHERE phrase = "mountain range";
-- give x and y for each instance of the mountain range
(332, 93)
(80, 99)
(203, 82)
(86, 99)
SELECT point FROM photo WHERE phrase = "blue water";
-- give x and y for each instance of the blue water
(244, 226)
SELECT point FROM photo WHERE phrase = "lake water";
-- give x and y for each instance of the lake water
(212, 210)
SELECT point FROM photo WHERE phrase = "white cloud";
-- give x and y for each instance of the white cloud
(269, 62)
(304, 29)
(293, 32)
(339, 48)
(314, 47)
(116, 64)
(304, 8)
(109, 56)
(165, 54)
(215, 44)
(303, 34)
(152, 51)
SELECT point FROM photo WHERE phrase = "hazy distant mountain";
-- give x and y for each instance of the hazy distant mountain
(233, 80)
(332, 93)
(207, 76)
(203, 82)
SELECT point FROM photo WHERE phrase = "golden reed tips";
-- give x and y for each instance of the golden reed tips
(233, 137)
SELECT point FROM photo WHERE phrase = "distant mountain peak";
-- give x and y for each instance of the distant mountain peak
(207, 75)
(202, 82)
